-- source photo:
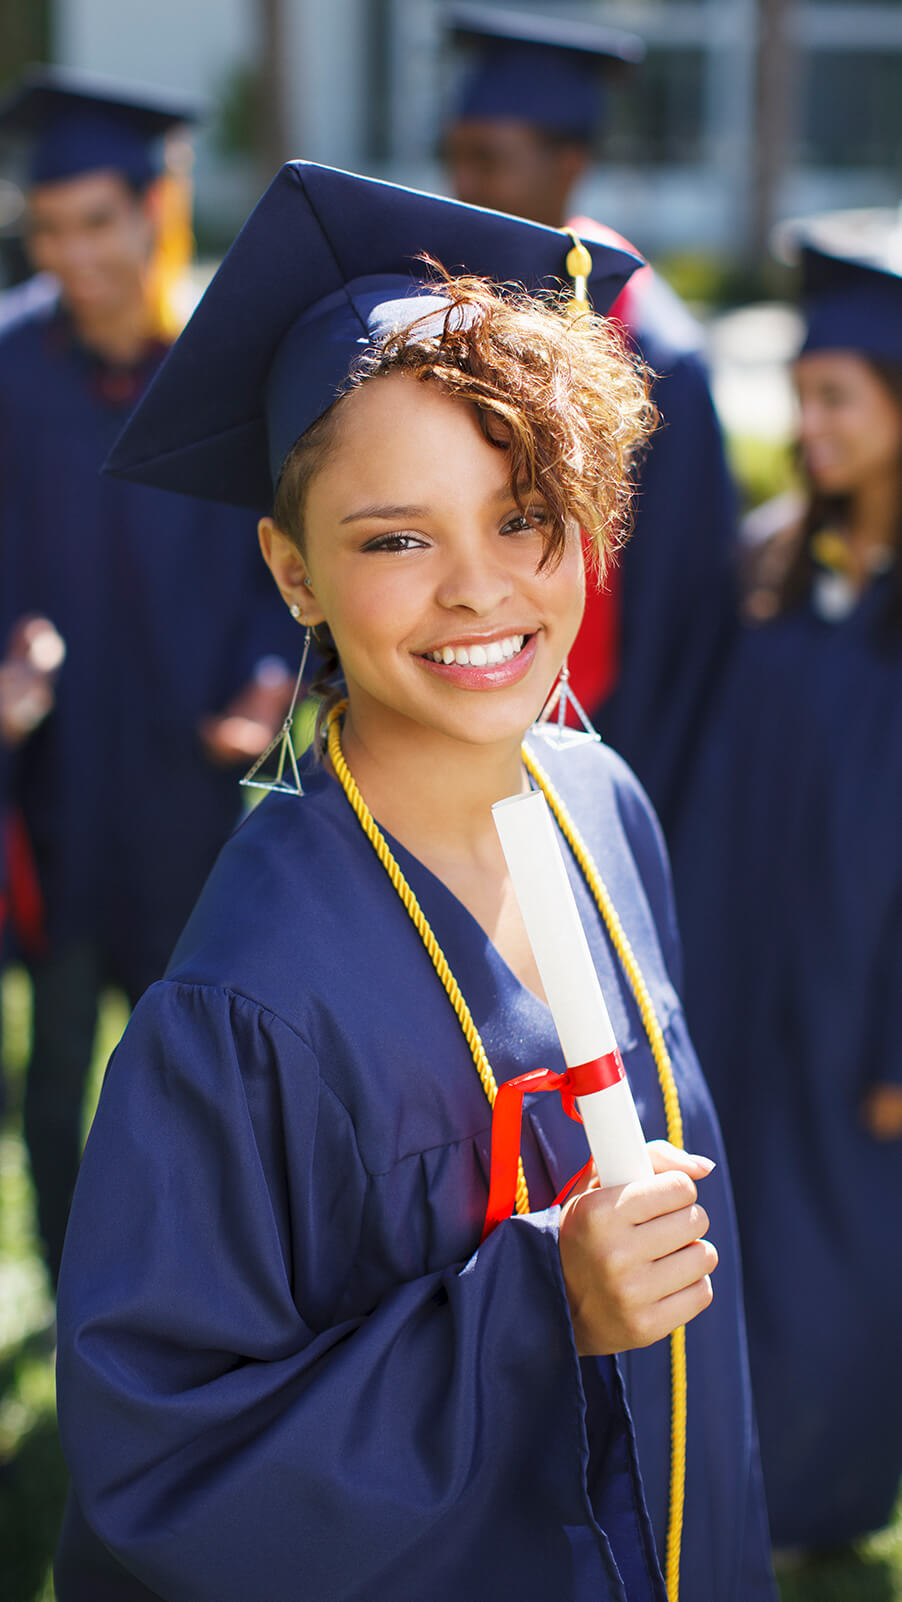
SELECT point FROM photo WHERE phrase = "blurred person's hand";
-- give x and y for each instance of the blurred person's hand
(881, 1112)
(252, 718)
(35, 652)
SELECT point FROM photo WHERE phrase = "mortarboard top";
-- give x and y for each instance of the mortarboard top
(72, 123)
(322, 270)
(851, 280)
(537, 69)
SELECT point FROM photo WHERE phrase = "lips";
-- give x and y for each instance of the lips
(484, 664)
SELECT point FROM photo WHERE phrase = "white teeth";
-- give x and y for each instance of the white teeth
(479, 655)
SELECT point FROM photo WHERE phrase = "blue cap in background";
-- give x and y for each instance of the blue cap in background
(851, 280)
(73, 124)
(549, 72)
(325, 267)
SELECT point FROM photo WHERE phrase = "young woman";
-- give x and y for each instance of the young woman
(288, 1367)
(791, 907)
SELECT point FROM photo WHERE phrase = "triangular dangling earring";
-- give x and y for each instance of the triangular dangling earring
(551, 724)
(282, 784)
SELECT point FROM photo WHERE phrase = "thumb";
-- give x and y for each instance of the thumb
(666, 1159)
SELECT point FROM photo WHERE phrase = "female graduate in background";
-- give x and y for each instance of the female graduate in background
(287, 1366)
(790, 895)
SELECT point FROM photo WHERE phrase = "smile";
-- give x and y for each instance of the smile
(488, 655)
(489, 665)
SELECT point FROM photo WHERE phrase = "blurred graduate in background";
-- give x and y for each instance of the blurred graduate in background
(145, 654)
(519, 138)
(789, 864)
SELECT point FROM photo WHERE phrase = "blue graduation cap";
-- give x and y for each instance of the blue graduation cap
(851, 281)
(73, 123)
(538, 69)
(324, 269)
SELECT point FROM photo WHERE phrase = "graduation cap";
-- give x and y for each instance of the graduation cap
(72, 123)
(537, 69)
(324, 269)
(851, 280)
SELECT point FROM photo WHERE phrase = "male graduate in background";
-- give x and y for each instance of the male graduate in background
(145, 648)
(518, 139)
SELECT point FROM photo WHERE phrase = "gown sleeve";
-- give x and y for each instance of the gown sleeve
(228, 1409)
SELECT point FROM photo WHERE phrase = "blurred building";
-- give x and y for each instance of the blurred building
(743, 111)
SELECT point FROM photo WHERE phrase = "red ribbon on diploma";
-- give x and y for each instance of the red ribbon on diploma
(507, 1117)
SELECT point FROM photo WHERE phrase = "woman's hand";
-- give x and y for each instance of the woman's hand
(881, 1112)
(635, 1264)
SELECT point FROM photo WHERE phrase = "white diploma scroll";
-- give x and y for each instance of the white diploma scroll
(526, 830)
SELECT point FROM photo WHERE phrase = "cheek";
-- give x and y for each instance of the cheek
(42, 252)
(371, 612)
(566, 586)
(887, 437)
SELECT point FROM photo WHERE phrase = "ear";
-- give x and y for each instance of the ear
(573, 162)
(150, 204)
(287, 566)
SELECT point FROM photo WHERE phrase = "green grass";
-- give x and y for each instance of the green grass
(763, 468)
(32, 1474)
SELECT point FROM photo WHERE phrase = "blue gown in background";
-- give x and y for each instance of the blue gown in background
(285, 1369)
(789, 879)
(165, 607)
(675, 596)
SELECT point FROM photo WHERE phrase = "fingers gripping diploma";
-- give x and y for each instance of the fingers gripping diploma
(635, 1262)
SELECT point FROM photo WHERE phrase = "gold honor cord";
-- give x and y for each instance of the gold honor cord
(650, 1022)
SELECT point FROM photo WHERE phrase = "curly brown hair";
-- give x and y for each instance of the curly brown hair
(557, 388)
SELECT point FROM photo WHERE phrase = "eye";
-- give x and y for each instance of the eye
(535, 518)
(395, 542)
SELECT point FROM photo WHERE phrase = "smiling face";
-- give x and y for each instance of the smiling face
(426, 572)
(850, 425)
(96, 236)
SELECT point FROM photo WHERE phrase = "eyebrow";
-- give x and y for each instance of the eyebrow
(390, 512)
(385, 512)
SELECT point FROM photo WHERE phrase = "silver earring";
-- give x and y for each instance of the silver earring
(295, 611)
(553, 729)
(280, 784)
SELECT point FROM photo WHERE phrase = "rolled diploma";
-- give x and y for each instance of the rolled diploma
(558, 939)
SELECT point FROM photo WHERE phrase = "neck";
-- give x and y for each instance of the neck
(117, 334)
(874, 515)
(432, 792)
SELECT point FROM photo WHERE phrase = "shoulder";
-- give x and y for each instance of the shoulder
(769, 547)
(25, 309)
(290, 891)
(620, 828)
(664, 327)
(661, 324)
(607, 801)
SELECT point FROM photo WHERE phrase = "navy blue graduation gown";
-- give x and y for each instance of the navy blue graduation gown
(285, 1369)
(674, 590)
(789, 872)
(165, 606)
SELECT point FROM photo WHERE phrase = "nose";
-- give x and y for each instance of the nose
(476, 579)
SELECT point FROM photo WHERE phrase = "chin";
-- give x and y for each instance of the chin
(485, 726)
(831, 481)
